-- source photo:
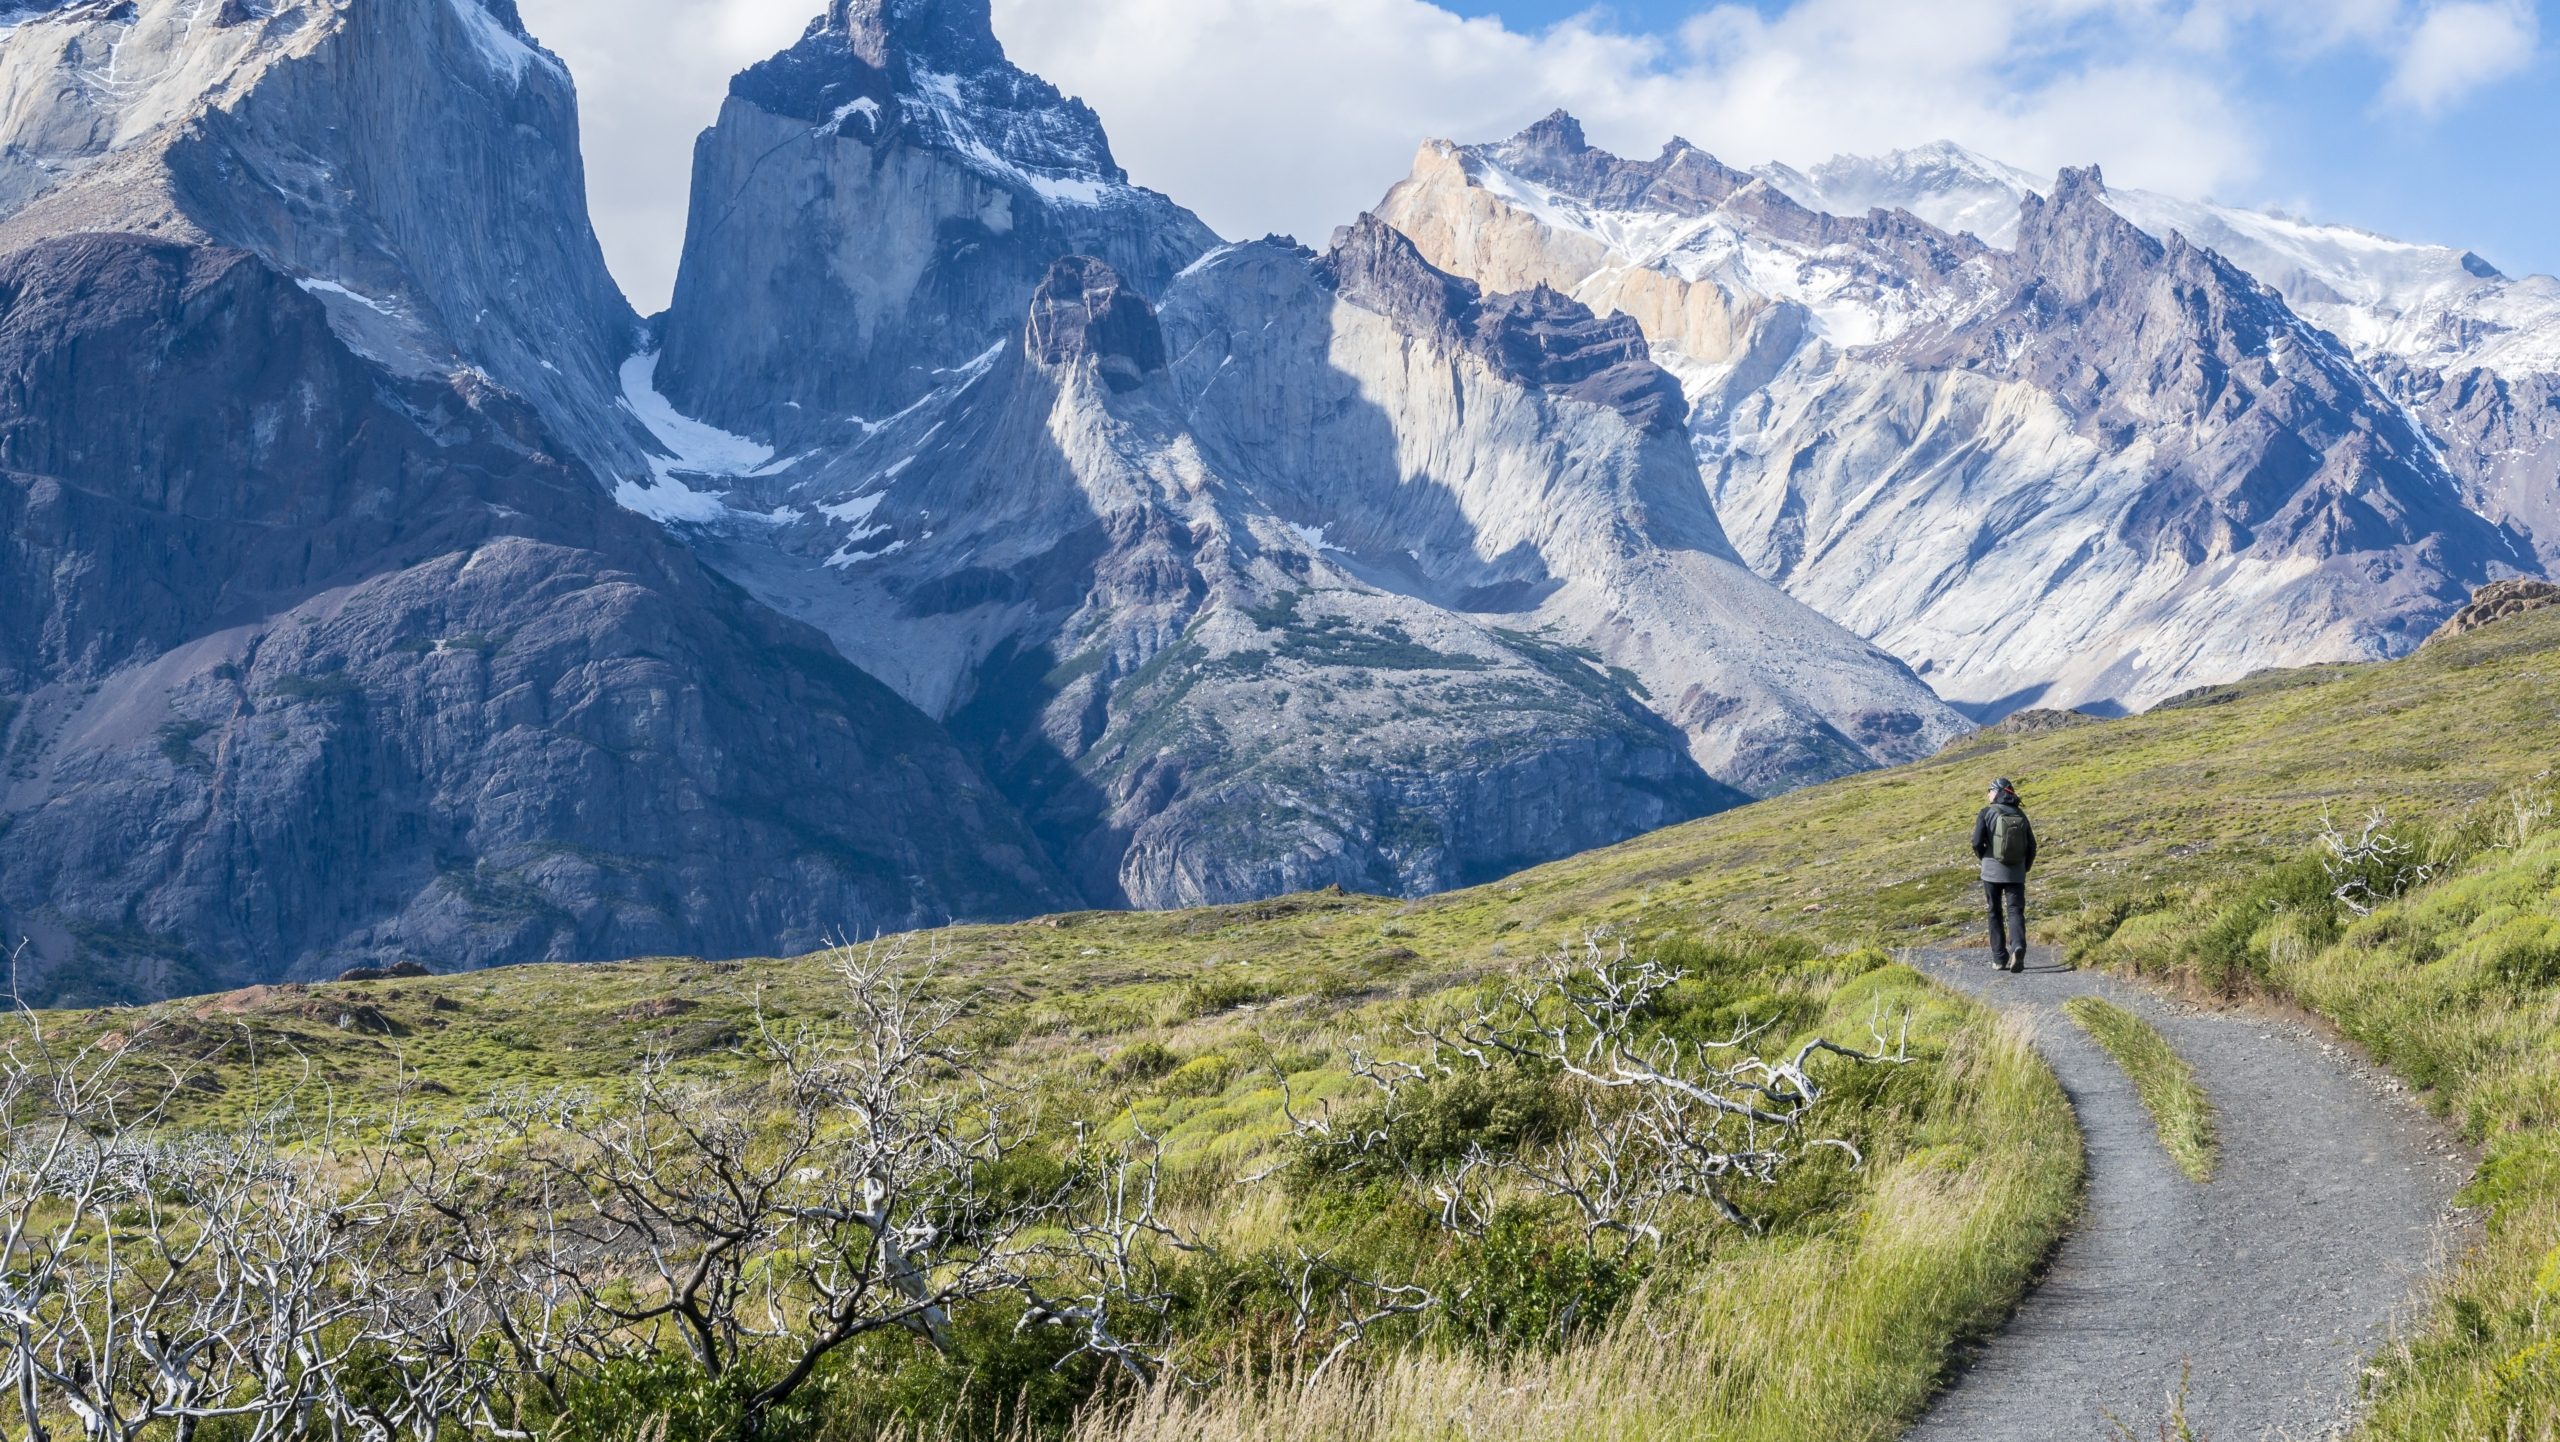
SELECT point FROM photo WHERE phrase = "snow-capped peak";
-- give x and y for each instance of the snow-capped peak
(1943, 183)
(2429, 304)
(933, 73)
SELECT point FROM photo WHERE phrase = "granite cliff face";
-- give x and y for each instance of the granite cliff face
(875, 206)
(317, 646)
(1331, 570)
(2093, 468)
(1241, 569)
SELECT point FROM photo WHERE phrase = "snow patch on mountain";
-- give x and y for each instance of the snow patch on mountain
(1945, 184)
(694, 449)
(331, 287)
(505, 51)
(1851, 300)
(2429, 305)
(1081, 181)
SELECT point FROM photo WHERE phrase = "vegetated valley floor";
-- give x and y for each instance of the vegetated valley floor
(2134, 813)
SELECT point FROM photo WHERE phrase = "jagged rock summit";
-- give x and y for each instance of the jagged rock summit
(875, 207)
(2093, 468)
(321, 643)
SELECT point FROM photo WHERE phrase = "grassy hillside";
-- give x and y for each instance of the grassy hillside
(2172, 845)
(2223, 785)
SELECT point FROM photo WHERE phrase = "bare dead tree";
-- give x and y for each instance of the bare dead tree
(2371, 867)
(1106, 1279)
(1656, 1123)
(1331, 1302)
(288, 1283)
(1658, 1120)
(156, 1279)
(1662, 1120)
(843, 1195)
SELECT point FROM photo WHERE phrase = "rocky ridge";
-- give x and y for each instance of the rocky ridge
(2495, 602)
(2474, 354)
(2095, 468)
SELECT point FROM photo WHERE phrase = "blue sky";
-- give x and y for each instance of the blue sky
(2434, 120)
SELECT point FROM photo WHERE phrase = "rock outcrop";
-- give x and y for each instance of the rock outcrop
(1537, 337)
(2495, 602)
(1084, 312)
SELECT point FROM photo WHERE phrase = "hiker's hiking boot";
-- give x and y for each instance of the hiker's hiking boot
(2018, 961)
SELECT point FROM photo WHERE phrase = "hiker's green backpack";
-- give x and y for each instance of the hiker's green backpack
(2010, 836)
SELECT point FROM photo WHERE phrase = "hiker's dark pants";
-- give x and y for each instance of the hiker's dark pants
(2008, 915)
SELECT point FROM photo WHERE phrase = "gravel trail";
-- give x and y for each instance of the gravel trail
(2274, 1282)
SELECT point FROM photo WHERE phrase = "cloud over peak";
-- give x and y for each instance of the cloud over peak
(2457, 48)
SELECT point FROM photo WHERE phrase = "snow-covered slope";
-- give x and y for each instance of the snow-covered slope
(2094, 467)
(1952, 188)
(2473, 353)
(2429, 305)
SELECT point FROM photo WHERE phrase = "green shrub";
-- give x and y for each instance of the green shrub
(1534, 1283)
(999, 1380)
(1438, 1120)
(673, 1398)
(1202, 1076)
(1141, 1062)
(331, 687)
(1210, 995)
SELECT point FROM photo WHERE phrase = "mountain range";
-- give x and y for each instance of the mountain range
(978, 534)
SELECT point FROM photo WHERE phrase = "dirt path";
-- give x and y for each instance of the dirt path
(2275, 1281)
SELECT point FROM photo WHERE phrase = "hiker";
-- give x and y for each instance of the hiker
(2007, 846)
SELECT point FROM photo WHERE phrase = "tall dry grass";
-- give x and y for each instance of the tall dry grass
(1842, 1336)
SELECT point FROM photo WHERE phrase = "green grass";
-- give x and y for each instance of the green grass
(1839, 1330)
(1844, 1308)
(2457, 988)
(2167, 1085)
(2175, 849)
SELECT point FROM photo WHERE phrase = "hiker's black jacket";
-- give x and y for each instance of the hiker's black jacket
(1992, 868)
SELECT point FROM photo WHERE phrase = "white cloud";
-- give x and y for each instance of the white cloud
(1294, 115)
(2457, 48)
